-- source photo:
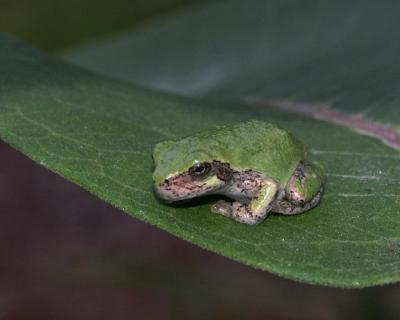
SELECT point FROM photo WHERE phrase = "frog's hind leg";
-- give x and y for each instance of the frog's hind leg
(287, 207)
(303, 190)
(253, 213)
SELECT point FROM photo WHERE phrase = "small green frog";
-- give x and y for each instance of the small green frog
(261, 167)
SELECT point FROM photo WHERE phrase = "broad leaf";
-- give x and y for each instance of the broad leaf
(100, 132)
(343, 53)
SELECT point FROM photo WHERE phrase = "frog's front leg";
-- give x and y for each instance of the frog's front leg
(254, 212)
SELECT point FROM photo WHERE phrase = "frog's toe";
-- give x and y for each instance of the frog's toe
(222, 207)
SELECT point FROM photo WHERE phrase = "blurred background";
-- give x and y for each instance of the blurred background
(64, 254)
(54, 25)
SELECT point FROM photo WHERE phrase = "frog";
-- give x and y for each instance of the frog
(257, 166)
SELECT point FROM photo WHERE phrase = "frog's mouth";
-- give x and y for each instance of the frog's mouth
(183, 187)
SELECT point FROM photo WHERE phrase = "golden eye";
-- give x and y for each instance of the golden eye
(200, 169)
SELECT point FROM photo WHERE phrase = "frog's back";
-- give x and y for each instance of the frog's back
(256, 145)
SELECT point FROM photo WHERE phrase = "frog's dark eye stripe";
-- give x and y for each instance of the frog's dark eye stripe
(224, 173)
(200, 169)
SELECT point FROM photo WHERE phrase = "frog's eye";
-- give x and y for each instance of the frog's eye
(200, 169)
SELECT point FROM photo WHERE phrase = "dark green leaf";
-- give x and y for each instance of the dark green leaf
(99, 132)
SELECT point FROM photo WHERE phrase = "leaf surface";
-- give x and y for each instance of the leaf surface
(99, 132)
(342, 53)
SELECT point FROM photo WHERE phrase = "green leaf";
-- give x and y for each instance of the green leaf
(343, 53)
(100, 132)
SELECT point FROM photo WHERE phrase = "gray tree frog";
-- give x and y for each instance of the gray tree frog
(261, 167)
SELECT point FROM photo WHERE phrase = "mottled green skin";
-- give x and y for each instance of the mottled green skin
(314, 178)
(254, 145)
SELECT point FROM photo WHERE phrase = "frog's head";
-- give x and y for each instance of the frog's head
(184, 172)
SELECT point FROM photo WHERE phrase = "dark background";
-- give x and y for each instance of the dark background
(64, 254)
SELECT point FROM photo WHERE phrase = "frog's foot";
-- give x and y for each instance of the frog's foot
(222, 207)
(303, 190)
(253, 213)
(238, 211)
(287, 207)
